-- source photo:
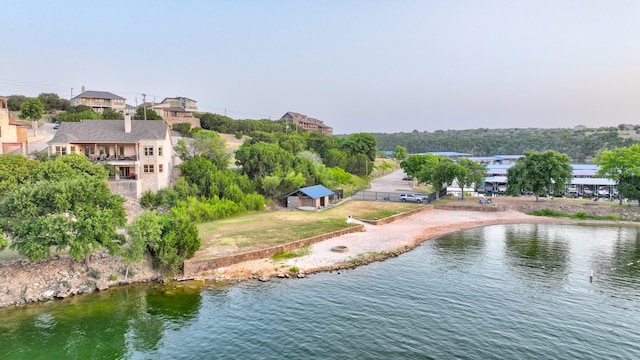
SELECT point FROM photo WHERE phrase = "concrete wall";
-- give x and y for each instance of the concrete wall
(195, 267)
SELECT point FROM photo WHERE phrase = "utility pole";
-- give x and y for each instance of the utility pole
(71, 94)
(144, 103)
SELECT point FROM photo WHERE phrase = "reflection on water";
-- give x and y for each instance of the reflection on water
(498, 292)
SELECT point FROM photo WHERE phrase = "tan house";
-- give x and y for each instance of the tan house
(13, 135)
(176, 110)
(140, 151)
(307, 123)
(100, 100)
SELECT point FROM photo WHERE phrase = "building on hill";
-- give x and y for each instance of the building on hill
(100, 100)
(13, 135)
(307, 123)
(176, 110)
(141, 152)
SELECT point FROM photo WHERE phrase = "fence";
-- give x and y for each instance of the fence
(386, 196)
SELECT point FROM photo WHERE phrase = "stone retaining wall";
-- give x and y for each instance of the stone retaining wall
(195, 267)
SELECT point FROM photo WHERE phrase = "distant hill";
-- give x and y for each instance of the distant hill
(580, 145)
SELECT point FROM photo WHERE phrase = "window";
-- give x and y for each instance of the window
(73, 149)
(148, 169)
(160, 167)
(159, 150)
(61, 150)
(148, 151)
(121, 150)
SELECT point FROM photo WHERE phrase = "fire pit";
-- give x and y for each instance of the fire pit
(340, 248)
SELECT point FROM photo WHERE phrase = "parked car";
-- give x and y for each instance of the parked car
(56, 125)
(407, 178)
(413, 197)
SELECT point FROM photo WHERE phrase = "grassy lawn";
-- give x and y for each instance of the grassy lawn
(265, 229)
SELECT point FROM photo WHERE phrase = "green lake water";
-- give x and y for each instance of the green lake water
(499, 292)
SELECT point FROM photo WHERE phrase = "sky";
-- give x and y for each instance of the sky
(359, 66)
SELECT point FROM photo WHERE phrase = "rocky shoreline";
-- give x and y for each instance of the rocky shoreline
(27, 282)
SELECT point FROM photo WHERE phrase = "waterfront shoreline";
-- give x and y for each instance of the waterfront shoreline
(376, 243)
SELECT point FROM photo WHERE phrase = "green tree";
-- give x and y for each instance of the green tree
(335, 158)
(620, 163)
(143, 231)
(14, 171)
(143, 113)
(110, 114)
(14, 102)
(32, 109)
(400, 153)
(361, 143)
(261, 159)
(52, 102)
(179, 241)
(415, 163)
(78, 215)
(469, 173)
(629, 188)
(539, 173)
(207, 144)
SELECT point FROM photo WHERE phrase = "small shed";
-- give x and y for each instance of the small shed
(315, 197)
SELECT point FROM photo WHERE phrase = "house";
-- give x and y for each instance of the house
(100, 100)
(307, 123)
(176, 110)
(141, 152)
(313, 197)
(13, 135)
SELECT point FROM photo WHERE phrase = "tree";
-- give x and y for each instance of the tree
(629, 188)
(52, 101)
(32, 109)
(143, 113)
(143, 231)
(78, 215)
(361, 143)
(261, 159)
(14, 102)
(400, 153)
(207, 144)
(620, 163)
(14, 171)
(468, 172)
(110, 114)
(179, 241)
(539, 173)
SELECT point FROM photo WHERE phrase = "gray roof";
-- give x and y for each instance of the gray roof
(99, 95)
(101, 131)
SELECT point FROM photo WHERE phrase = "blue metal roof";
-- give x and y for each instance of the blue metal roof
(315, 191)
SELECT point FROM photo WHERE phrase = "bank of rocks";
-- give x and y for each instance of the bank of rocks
(25, 281)
(624, 213)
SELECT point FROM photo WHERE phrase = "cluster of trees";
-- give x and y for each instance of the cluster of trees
(539, 173)
(50, 102)
(437, 171)
(226, 125)
(579, 145)
(64, 204)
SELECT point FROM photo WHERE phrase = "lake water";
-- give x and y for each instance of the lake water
(498, 292)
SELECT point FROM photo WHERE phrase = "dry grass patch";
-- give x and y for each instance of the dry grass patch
(265, 229)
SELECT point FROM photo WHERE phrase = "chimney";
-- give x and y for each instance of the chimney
(127, 123)
(83, 89)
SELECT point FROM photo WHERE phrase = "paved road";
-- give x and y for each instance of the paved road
(391, 183)
(45, 133)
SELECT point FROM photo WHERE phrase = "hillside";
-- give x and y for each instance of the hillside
(581, 145)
